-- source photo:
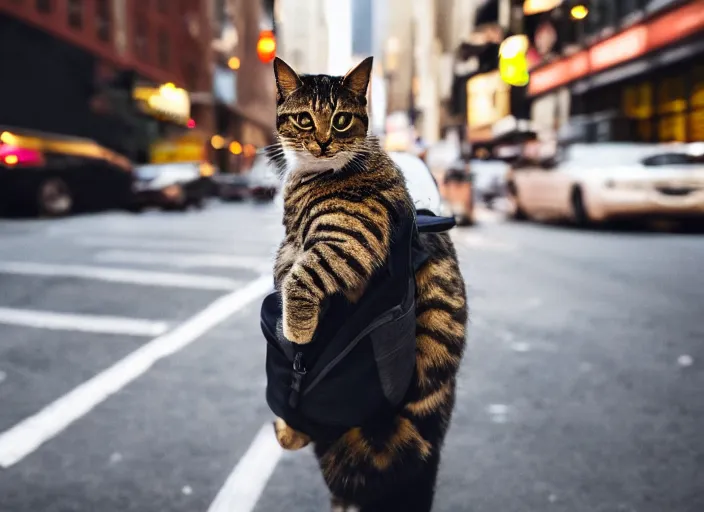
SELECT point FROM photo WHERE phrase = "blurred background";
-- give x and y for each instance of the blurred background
(138, 215)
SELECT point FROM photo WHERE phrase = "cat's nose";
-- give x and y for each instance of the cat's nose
(323, 145)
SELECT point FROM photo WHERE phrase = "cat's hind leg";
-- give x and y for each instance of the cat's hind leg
(288, 438)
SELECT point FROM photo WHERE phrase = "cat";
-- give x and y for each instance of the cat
(342, 195)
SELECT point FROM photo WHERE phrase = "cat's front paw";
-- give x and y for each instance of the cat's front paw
(299, 330)
(288, 438)
(300, 315)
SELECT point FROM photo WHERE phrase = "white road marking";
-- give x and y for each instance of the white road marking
(151, 243)
(120, 275)
(477, 241)
(247, 481)
(84, 323)
(28, 435)
(180, 260)
(3, 376)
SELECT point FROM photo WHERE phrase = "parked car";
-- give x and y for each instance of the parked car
(421, 183)
(54, 175)
(172, 186)
(232, 187)
(262, 179)
(589, 183)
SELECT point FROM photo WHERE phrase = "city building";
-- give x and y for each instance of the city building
(302, 32)
(119, 72)
(621, 71)
(244, 90)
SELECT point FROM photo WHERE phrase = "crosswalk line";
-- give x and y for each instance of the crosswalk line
(120, 275)
(181, 260)
(28, 435)
(180, 244)
(245, 484)
(81, 322)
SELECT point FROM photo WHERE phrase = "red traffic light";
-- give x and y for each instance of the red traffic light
(266, 46)
(191, 123)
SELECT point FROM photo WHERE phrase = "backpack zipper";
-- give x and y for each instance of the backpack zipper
(299, 371)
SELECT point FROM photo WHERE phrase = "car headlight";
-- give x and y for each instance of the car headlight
(172, 191)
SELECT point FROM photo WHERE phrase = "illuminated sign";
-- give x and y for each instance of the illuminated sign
(628, 45)
(167, 101)
(531, 7)
(488, 99)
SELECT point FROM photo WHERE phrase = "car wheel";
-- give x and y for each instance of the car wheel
(54, 198)
(515, 210)
(580, 215)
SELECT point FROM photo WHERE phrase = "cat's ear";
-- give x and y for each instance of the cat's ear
(287, 80)
(357, 78)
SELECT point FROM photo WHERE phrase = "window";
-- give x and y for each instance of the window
(672, 107)
(191, 76)
(163, 49)
(75, 13)
(44, 5)
(104, 19)
(140, 40)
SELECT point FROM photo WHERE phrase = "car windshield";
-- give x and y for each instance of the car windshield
(673, 159)
(185, 170)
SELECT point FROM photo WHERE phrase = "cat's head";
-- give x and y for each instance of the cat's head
(321, 120)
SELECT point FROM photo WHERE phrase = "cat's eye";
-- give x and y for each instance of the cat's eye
(342, 121)
(302, 121)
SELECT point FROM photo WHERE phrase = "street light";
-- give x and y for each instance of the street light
(217, 141)
(266, 46)
(234, 63)
(579, 12)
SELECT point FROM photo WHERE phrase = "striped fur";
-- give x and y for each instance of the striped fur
(338, 232)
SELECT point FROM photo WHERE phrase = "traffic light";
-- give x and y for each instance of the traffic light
(266, 46)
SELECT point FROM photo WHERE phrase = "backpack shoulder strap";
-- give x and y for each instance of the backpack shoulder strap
(428, 222)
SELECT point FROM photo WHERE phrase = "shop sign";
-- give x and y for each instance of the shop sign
(184, 149)
(488, 99)
(165, 101)
(633, 43)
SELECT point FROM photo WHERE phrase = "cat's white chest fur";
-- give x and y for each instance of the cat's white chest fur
(302, 162)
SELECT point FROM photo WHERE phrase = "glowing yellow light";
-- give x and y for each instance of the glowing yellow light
(234, 63)
(217, 142)
(11, 159)
(579, 12)
(513, 46)
(206, 170)
(169, 85)
(513, 64)
(7, 137)
(249, 150)
(235, 148)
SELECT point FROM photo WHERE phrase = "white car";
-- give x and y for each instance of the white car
(599, 182)
(421, 184)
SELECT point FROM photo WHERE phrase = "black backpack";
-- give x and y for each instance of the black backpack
(362, 356)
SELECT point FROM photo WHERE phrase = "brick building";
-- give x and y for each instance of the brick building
(74, 67)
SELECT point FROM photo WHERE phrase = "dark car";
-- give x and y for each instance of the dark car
(54, 175)
(263, 181)
(233, 187)
(172, 186)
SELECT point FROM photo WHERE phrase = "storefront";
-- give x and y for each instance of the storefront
(644, 84)
(495, 118)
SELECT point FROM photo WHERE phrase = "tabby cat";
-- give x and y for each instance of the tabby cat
(342, 194)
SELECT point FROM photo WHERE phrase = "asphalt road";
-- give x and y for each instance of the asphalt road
(131, 369)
